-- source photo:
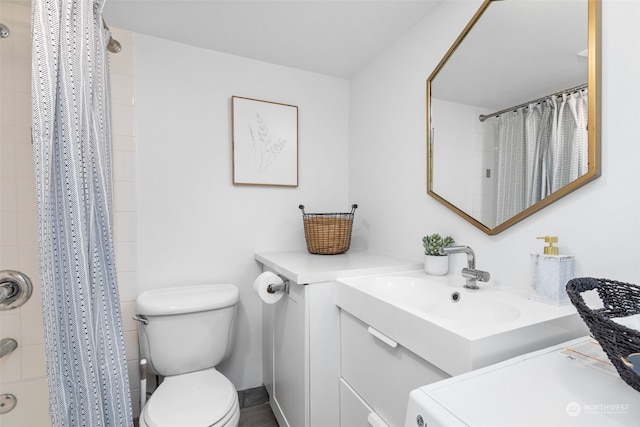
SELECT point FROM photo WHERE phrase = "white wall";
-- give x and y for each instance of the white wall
(455, 144)
(599, 223)
(194, 225)
(472, 147)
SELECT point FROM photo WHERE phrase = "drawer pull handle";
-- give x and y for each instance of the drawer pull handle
(382, 337)
(375, 420)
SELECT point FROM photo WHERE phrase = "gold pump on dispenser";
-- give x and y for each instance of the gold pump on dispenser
(550, 273)
(550, 250)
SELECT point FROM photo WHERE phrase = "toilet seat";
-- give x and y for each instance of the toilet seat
(199, 399)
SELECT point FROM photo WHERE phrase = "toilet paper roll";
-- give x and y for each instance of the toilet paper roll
(262, 282)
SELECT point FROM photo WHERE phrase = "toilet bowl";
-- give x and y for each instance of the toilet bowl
(203, 398)
(184, 332)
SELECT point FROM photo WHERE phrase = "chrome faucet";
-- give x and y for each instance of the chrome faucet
(470, 273)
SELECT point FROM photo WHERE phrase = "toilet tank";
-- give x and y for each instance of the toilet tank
(187, 328)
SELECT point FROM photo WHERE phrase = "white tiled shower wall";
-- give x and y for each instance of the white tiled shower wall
(22, 373)
(125, 199)
(18, 226)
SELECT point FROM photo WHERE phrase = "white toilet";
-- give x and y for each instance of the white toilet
(184, 332)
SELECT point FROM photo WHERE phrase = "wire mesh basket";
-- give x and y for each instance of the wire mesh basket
(619, 300)
(328, 233)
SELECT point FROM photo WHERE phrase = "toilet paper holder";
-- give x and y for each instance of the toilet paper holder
(279, 287)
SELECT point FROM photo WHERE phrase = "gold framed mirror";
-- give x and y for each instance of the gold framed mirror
(513, 110)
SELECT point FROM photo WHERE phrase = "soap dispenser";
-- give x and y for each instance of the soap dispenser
(550, 273)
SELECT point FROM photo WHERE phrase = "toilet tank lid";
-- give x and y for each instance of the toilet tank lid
(186, 299)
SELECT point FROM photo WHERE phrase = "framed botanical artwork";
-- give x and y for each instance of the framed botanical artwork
(265, 142)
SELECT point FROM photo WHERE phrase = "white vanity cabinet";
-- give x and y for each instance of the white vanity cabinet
(301, 356)
(301, 333)
(377, 376)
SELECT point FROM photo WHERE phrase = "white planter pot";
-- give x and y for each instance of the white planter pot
(436, 265)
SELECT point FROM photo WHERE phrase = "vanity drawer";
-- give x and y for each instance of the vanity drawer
(354, 412)
(380, 370)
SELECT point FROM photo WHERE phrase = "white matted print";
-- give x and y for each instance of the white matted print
(265, 142)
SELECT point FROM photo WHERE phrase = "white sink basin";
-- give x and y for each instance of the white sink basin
(441, 301)
(468, 310)
(483, 327)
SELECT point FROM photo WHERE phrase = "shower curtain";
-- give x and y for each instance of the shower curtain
(541, 148)
(84, 345)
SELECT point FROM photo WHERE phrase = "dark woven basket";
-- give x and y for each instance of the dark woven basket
(619, 300)
(328, 233)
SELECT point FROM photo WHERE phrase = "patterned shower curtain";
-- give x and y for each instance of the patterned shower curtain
(84, 345)
(541, 148)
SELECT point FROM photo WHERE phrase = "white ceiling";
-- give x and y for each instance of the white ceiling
(339, 37)
(333, 37)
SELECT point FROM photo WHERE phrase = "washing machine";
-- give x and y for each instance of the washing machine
(571, 384)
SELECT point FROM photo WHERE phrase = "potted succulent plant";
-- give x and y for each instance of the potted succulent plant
(435, 263)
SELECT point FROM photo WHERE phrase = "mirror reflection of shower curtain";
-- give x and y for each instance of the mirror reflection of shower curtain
(541, 148)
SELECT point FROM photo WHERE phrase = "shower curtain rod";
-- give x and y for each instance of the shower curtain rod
(484, 117)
